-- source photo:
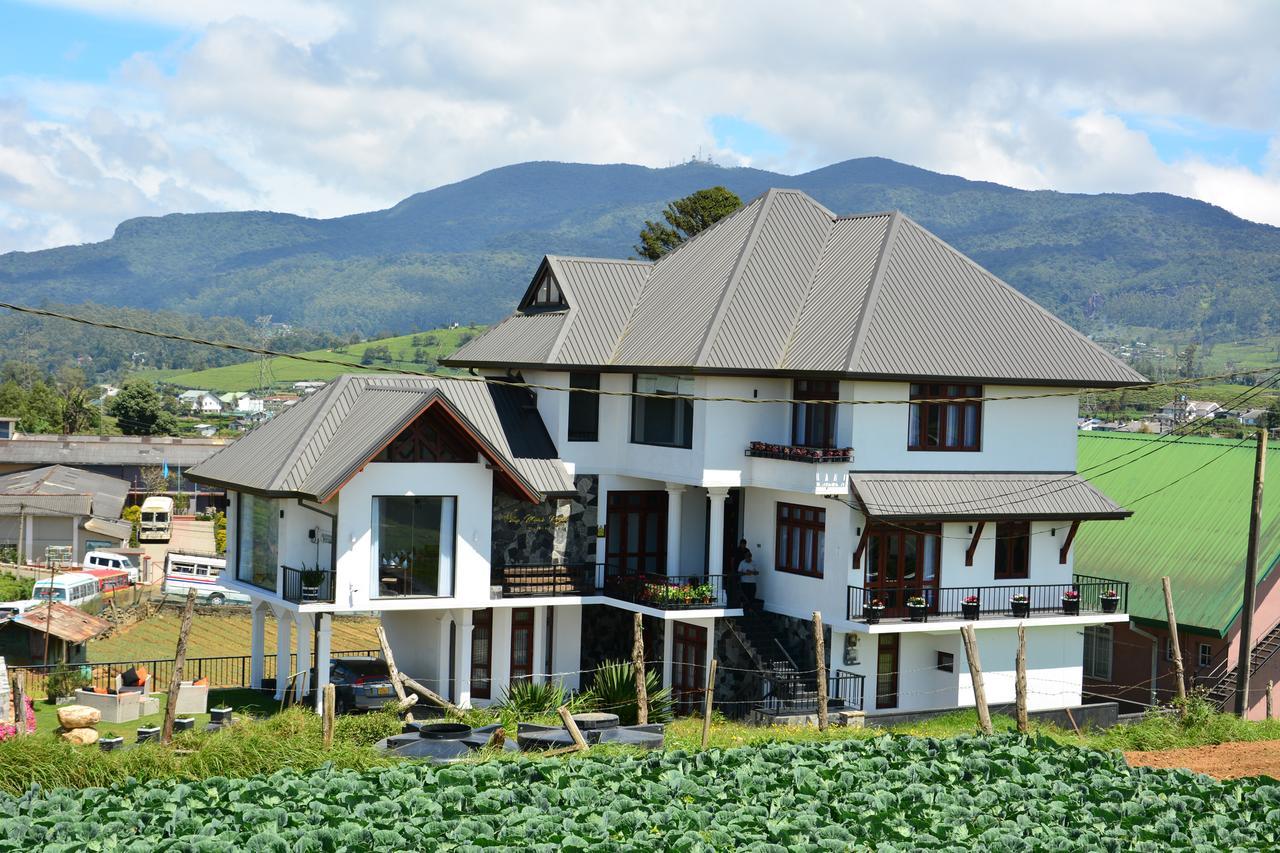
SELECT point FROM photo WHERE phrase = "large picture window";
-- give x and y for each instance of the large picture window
(257, 548)
(667, 419)
(584, 408)
(413, 545)
(801, 539)
(813, 421)
(939, 425)
(1097, 652)
(1013, 549)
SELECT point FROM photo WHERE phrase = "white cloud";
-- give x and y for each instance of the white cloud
(329, 108)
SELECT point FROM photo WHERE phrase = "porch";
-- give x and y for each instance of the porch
(651, 589)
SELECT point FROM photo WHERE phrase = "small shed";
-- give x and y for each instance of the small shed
(69, 629)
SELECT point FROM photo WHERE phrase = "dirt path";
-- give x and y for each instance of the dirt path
(1225, 761)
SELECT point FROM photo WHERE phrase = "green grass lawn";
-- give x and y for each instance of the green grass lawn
(433, 344)
(255, 702)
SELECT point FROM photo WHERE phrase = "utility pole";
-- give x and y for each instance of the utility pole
(1243, 665)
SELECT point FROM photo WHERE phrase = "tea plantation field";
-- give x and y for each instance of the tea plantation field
(889, 793)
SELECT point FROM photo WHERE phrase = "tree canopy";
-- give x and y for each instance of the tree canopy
(139, 409)
(686, 217)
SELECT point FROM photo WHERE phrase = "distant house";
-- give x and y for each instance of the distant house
(1182, 410)
(61, 506)
(200, 402)
(240, 402)
(22, 637)
(277, 403)
(1250, 417)
(206, 430)
(308, 387)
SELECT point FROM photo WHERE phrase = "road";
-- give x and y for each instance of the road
(187, 537)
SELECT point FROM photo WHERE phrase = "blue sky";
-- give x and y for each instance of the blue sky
(111, 109)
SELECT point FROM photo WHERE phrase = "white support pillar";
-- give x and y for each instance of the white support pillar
(284, 646)
(711, 643)
(675, 501)
(442, 654)
(323, 650)
(668, 651)
(76, 554)
(305, 629)
(715, 534)
(465, 628)
(539, 644)
(257, 645)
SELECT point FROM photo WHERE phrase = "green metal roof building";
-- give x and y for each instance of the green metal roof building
(1190, 499)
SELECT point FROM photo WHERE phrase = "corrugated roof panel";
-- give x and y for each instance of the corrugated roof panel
(603, 293)
(826, 324)
(364, 429)
(519, 339)
(676, 306)
(975, 496)
(1192, 524)
(760, 311)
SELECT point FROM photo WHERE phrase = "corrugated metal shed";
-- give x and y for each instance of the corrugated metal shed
(1195, 530)
(63, 490)
(314, 448)
(784, 284)
(64, 622)
(981, 496)
(107, 450)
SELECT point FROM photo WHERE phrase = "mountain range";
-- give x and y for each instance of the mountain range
(465, 252)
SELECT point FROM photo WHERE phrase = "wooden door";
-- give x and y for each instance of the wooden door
(521, 643)
(688, 659)
(636, 532)
(903, 561)
(887, 659)
(482, 655)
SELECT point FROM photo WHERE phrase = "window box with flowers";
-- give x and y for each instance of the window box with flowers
(1020, 606)
(970, 607)
(917, 608)
(1071, 602)
(678, 595)
(797, 453)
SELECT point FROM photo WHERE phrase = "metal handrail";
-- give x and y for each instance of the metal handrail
(993, 598)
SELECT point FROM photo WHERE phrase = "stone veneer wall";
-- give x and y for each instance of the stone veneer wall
(561, 530)
(739, 684)
(607, 635)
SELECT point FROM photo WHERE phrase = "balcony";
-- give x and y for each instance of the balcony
(796, 453)
(663, 592)
(1084, 595)
(308, 586)
(544, 579)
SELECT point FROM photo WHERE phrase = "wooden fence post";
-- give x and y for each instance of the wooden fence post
(179, 660)
(1020, 683)
(579, 742)
(330, 701)
(430, 694)
(820, 648)
(20, 702)
(975, 673)
(391, 669)
(707, 699)
(1175, 646)
(637, 662)
(1271, 689)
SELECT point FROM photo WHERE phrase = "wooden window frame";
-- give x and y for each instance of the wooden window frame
(650, 505)
(1007, 540)
(1203, 659)
(920, 413)
(482, 619)
(785, 519)
(1091, 632)
(522, 619)
(815, 403)
(888, 698)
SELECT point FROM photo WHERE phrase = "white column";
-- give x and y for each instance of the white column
(31, 540)
(442, 654)
(305, 628)
(465, 627)
(284, 629)
(539, 650)
(668, 651)
(323, 647)
(715, 538)
(76, 555)
(602, 520)
(711, 643)
(675, 495)
(257, 645)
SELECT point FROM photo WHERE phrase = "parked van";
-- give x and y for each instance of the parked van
(108, 560)
(109, 579)
(189, 571)
(73, 588)
(157, 519)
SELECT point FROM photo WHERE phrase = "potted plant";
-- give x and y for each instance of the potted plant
(110, 741)
(311, 580)
(146, 733)
(1110, 600)
(917, 608)
(62, 684)
(1071, 602)
(1020, 605)
(970, 607)
(184, 724)
(873, 611)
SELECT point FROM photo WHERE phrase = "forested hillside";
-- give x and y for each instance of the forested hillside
(463, 252)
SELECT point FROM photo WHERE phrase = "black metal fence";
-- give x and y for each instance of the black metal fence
(668, 592)
(1084, 595)
(308, 586)
(225, 671)
(797, 693)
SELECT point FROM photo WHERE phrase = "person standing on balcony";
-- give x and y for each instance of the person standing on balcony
(745, 573)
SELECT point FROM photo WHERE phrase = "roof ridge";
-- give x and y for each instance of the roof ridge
(316, 418)
(594, 260)
(571, 311)
(735, 276)
(873, 291)
(846, 217)
(804, 302)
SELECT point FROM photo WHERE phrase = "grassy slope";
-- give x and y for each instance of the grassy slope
(244, 377)
(214, 636)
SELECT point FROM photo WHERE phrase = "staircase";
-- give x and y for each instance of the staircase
(1223, 689)
(784, 686)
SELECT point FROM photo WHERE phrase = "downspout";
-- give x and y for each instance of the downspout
(1155, 656)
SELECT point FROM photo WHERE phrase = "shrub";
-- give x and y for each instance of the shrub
(65, 680)
(613, 689)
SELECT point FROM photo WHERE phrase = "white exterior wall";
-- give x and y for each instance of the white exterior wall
(566, 645)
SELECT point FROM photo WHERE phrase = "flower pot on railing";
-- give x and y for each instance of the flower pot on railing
(1110, 601)
(1071, 603)
(311, 582)
(917, 609)
(1020, 606)
(872, 612)
(970, 607)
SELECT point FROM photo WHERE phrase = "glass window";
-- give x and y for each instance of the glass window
(666, 419)
(801, 539)
(584, 409)
(1097, 652)
(547, 294)
(1013, 549)
(813, 424)
(258, 525)
(936, 424)
(1206, 654)
(413, 545)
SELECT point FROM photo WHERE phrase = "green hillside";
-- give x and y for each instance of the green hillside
(416, 353)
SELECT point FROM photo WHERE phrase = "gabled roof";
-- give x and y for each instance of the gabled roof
(784, 285)
(60, 490)
(1193, 527)
(314, 448)
(63, 621)
(981, 496)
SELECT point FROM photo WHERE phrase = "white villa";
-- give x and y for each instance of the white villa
(879, 418)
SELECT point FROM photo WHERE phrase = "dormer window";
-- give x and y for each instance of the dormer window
(546, 294)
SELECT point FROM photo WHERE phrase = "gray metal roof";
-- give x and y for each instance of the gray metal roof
(314, 448)
(980, 496)
(59, 490)
(107, 450)
(784, 285)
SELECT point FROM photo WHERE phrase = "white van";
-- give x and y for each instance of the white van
(108, 560)
(156, 524)
(73, 588)
(188, 571)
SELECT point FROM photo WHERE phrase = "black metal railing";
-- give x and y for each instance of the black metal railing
(798, 453)
(545, 579)
(308, 586)
(667, 592)
(224, 671)
(1084, 595)
(797, 692)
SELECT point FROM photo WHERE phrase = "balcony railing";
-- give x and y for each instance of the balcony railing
(795, 692)
(667, 592)
(308, 586)
(545, 579)
(797, 453)
(1084, 594)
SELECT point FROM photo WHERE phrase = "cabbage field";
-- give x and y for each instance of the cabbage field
(891, 793)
